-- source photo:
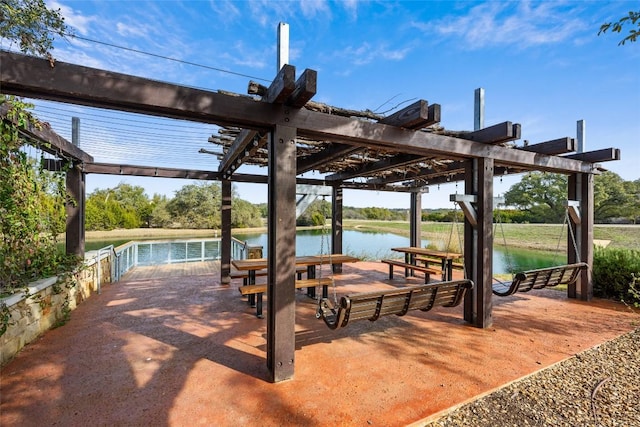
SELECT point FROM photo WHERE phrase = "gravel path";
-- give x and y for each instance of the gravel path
(598, 387)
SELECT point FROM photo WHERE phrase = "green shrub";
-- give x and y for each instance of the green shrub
(615, 273)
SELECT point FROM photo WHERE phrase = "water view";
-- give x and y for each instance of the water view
(376, 245)
(369, 245)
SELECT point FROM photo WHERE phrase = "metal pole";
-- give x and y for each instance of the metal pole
(75, 131)
(581, 136)
(478, 113)
(98, 275)
(283, 45)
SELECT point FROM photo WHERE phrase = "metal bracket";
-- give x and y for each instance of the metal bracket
(573, 207)
(310, 193)
(465, 201)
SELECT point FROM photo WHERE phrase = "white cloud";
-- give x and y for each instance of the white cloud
(127, 30)
(245, 56)
(351, 6)
(78, 22)
(311, 8)
(498, 23)
(367, 53)
(225, 9)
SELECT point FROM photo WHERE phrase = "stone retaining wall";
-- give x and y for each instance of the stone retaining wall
(45, 304)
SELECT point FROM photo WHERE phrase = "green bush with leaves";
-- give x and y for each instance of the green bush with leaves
(616, 273)
(31, 207)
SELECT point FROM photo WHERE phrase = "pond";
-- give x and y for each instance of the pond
(376, 245)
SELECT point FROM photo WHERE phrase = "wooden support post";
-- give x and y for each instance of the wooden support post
(336, 225)
(75, 208)
(282, 252)
(415, 219)
(225, 243)
(581, 189)
(478, 241)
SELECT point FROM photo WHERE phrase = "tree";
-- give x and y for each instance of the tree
(133, 199)
(541, 194)
(616, 27)
(32, 25)
(244, 214)
(316, 214)
(611, 199)
(160, 217)
(197, 206)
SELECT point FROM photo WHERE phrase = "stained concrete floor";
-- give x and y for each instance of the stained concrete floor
(184, 350)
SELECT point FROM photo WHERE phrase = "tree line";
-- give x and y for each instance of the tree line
(537, 198)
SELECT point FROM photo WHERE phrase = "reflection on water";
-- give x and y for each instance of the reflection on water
(375, 245)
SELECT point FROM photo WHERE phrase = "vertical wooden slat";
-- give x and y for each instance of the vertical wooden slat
(336, 225)
(572, 194)
(75, 209)
(225, 244)
(470, 237)
(586, 236)
(282, 250)
(479, 243)
(581, 189)
(484, 279)
(415, 219)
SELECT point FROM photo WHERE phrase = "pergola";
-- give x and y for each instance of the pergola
(281, 128)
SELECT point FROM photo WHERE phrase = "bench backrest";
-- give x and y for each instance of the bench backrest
(373, 305)
(542, 278)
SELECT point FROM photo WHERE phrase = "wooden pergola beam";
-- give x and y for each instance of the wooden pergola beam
(244, 145)
(553, 147)
(49, 141)
(415, 116)
(496, 134)
(33, 77)
(305, 89)
(597, 156)
(282, 86)
(451, 169)
(148, 171)
(332, 152)
(379, 166)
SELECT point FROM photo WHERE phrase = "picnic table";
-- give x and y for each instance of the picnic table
(309, 261)
(446, 258)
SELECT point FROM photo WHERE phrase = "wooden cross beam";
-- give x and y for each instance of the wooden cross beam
(597, 156)
(379, 166)
(26, 76)
(332, 152)
(416, 116)
(553, 147)
(496, 134)
(48, 141)
(148, 171)
(449, 170)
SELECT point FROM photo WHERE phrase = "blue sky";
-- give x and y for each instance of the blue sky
(541, 64)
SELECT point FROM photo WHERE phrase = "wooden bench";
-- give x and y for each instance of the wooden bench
(244, 274)
(259, 290)
(373, 305)
(428, 271)
(540, 278)
(429, 260)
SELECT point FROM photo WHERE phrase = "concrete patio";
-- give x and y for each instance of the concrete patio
(160, 348)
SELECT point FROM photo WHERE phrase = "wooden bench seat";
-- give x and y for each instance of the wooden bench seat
(244, 274)
(428, 271)
(399, 301)
(260, 289)
(540, 278)
(437, 261)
